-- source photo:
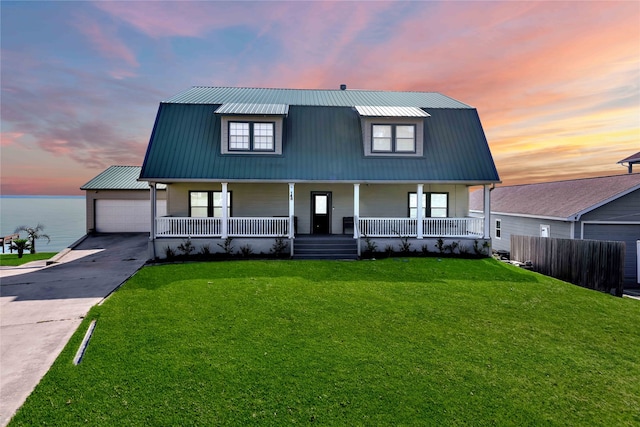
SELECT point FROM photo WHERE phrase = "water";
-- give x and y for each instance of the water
(63, 218)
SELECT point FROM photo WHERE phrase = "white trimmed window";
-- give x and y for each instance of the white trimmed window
(498, 229)
(251, 136)
(393, 138)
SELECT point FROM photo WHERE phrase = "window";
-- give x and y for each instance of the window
(204, 204)
(393, 138)
(545, 230)
(251, 136)
(434, 205)
(498, 229)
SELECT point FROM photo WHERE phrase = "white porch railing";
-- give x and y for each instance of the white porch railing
(212, 227)
(258, 227)
(431, 227)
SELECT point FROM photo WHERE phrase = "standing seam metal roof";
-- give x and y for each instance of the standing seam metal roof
(117, 178)
(320, 144)
(314, 97)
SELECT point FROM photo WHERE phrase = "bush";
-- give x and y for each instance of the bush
(226, 246)
(279, 247)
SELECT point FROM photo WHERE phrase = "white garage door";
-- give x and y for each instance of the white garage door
(125, 216)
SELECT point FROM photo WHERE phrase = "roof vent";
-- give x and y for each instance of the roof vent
(343, 87)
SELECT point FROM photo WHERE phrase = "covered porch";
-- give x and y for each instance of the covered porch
(282, 210)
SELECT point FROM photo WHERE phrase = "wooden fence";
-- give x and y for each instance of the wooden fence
(592, 264)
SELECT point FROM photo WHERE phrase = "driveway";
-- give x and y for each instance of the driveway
(41, 307)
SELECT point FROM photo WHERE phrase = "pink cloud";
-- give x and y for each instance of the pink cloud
(10, 138)
(105, 39)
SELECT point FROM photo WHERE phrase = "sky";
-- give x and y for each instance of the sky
(556, 84)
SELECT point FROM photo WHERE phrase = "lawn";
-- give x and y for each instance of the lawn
(417, 341)
(12, 260)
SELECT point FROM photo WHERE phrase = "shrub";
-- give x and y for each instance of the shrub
(370, 245)
(481, 250)
(279, 246)
(205, 250)
(169, 253)
(186, 247)
(440, 245)
(246, 250)
(227, 247)
(405, 245)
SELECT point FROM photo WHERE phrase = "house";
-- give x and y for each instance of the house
(310, 166)
(630, 161)
(118, 203)
(602, 208)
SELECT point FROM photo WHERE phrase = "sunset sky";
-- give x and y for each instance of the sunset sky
(556, 84)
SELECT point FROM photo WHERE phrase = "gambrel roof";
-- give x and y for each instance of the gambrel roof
(565, 200)
(322, 138)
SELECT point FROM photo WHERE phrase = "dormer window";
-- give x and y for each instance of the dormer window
(392, 131)
(251, 136)
(251, 128)
(393, 138)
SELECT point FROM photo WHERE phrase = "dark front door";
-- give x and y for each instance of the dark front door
(320, 212)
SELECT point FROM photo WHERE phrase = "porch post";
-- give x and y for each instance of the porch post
(419, 193)
(356, 210)
(487, 212)
(153, 230)
(225, 216)
(292, 197)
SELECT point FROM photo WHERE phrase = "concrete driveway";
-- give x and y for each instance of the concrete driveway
(42, 306)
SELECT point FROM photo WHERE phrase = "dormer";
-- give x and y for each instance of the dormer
(251, 128)
(392, 131)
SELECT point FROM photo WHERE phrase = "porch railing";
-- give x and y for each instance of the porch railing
(258, 227)
(212, 227)
(431, 227)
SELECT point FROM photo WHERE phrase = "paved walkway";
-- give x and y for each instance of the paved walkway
(42, 306)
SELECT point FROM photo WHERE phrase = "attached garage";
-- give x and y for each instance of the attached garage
(124, 216)
(118, 203)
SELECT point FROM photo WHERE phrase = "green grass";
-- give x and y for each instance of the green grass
(12, 260)
(393, 342)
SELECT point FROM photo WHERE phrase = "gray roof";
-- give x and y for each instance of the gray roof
(118, 178)
(314, 97)
(559, 199)
(634, 158)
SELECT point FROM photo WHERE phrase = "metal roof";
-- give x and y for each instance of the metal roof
(558, 199)
(377, 111)
(253, 109)
(118, 178)
(321, 144)
(314, 97)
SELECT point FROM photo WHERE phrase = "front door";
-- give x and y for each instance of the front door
(320, 212)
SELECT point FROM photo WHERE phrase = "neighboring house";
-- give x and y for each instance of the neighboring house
(117, 202)
(603, 208)
(630, 161)
(257, 164)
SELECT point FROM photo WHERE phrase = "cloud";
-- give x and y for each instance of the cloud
(10, 138)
